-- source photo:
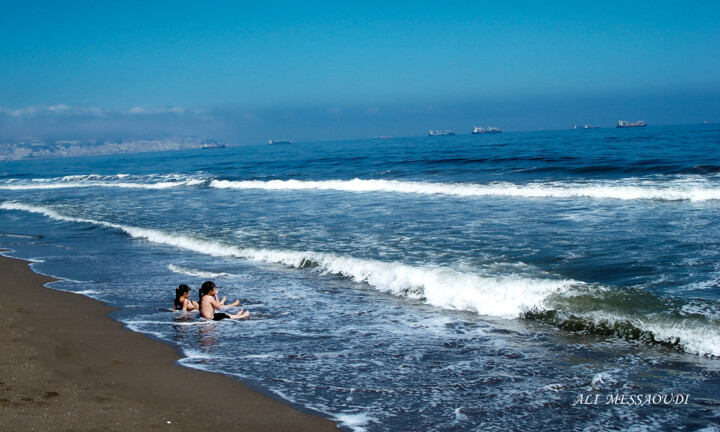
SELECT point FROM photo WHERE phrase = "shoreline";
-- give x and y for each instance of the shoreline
(68, 366)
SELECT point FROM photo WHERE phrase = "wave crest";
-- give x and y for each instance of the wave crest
(197, 273)
(629, 189)
(688, 188)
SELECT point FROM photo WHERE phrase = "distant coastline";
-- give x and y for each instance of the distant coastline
(33, 148)
(36, 148)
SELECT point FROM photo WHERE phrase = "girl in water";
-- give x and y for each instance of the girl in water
(209, 304)
(182, 302)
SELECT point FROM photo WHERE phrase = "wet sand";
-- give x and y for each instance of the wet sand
(66, 366)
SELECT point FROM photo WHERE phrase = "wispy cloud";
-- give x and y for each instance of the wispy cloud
(145, 111)
(70, 110)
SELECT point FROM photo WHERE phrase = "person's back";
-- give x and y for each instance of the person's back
(182, 302)
(207, 310)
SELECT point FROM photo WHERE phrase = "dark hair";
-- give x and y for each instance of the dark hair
(206, 288)
(179, 291)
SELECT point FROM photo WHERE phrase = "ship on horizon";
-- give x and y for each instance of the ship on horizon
(212, 144)
(479, 130)
(627, 124)
(441, 132)
(280, 141)
(585, 127)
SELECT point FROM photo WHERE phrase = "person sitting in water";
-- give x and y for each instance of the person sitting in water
(209, 304)
(182, 302)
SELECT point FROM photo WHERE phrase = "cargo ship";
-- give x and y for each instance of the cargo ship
(441, 132)
(479, 130)
(212, 145)
(627, 124)
(281, 141)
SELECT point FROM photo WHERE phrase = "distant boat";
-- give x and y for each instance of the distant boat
(441, 132)
(586, 127)
(213, 146)
(626, 124)
(479, 130)
(281, 141)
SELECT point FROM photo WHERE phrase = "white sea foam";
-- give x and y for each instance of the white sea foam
(88, 293)
(35, 260)
(355, 422)
(106, 181)
(693, 336)
(196, 273)
(193, 354)
(502, 296)
(626, 190)
(603, 380)
(675, 189)
(89, 184)
(18, 236)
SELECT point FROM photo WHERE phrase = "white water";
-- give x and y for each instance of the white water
(501, 296)
(663, 189)
(196, 273)
(469, 290)
(669, 191)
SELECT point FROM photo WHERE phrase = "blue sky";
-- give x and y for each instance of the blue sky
(244, 73)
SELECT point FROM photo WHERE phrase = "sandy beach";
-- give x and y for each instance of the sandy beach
(66, 366)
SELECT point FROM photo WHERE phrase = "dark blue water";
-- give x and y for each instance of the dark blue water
(438, 283)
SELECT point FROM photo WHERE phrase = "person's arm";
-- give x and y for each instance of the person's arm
(190, 305)
(215, 304)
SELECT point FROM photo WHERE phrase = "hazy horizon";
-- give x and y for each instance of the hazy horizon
(324, 71)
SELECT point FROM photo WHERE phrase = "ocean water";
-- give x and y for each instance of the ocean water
(563, 280)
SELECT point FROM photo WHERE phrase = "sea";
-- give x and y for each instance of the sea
(549, 280)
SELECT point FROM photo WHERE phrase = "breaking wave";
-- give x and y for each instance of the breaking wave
(687, 188)
(567, 304)
(125, 181)
(678, 190)
(196, 273)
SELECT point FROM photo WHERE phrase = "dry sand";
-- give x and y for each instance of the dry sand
(66, 366)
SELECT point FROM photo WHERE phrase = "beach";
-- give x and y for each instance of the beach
(67, 366)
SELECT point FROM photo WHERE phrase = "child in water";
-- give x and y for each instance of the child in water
(209, 304)
(182, 302)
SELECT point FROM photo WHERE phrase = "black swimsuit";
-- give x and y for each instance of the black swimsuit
(220, 316)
